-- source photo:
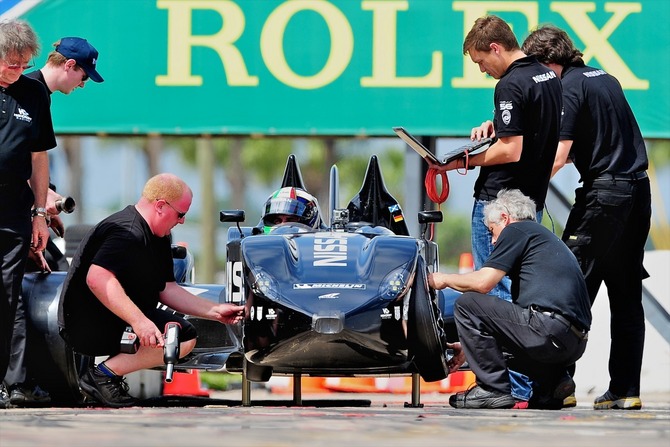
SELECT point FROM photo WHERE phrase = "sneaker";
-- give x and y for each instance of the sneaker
(110, 391)
(4, 398)
(610, 401)
(564, 389)
(21, 396)
(570, 401)
(554, 399)
(478, 397)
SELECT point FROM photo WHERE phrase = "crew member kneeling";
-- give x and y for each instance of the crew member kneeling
(121, 271)
(544, 328)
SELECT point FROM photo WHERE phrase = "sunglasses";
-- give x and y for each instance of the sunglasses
(180, 215)
(19, 66)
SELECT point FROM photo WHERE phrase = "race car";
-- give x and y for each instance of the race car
(345, 298)
(348, 298)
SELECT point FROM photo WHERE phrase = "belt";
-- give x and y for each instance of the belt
(582, 334)
(621, 177)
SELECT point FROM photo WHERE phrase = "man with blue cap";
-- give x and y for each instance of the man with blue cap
(69, 66)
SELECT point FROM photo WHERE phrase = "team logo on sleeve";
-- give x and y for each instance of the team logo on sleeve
(22, 115)
(506, 109)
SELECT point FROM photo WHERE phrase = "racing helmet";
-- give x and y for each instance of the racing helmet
(293, 202)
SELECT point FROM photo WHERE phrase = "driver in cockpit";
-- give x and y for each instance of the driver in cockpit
(291, 204)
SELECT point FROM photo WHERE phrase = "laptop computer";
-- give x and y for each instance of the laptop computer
(473, 148)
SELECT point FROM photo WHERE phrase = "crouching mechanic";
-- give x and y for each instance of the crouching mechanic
(544, 328)
(121, 271)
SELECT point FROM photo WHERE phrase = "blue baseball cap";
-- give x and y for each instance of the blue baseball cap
(83, 53)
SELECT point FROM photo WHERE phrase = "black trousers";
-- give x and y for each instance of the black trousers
(607, 230)
(14, 247)
(542, 346)
(25, 335)
(102, 336)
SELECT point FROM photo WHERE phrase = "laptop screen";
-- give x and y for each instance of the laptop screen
(416, 145)
(472, 148)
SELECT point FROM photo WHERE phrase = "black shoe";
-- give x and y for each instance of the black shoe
(564, 389)
(4, 398)
(21, 396)
(555, 399)
(610, 401)
(478, 397)
(110, 391)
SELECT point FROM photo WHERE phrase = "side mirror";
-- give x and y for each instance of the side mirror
(430, 216)
(232, 216)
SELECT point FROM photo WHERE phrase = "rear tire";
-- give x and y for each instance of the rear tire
(74, 234)
(424, 331)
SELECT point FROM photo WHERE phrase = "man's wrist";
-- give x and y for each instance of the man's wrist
(40, 212)
(466, 164)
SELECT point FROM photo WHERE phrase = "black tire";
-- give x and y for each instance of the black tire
(74, 234)
(61, 377)
(424, 331)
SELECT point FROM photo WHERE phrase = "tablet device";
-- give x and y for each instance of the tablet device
(472, 148)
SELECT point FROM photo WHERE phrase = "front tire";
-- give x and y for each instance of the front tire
(424, 332)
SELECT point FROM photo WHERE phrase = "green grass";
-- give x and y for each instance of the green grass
(221, 381)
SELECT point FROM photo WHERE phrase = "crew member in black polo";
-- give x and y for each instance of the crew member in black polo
(544, 328)
(609, 223)
(26, 133)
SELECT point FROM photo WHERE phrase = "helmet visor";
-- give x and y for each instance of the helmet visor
(288, 206)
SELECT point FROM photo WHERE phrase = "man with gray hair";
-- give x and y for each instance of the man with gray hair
(544, 328)
(26, 133)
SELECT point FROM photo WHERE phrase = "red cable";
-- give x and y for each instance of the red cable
(431, 184)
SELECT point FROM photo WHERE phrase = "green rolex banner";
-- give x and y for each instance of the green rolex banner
(317, 67)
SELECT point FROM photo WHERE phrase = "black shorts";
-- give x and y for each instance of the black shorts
(104, 339)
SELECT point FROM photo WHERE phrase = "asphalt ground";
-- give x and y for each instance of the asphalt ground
(333, 419)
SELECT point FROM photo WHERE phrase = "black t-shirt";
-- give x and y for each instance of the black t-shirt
(598, 119)
(25, 127)
(527, 102)
(543, 270)
(123, 244)
(39, 76)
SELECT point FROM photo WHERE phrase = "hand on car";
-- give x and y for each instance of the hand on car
(38, 258)
(228, 313)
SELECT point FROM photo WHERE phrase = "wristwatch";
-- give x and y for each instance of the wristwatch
(42, 212)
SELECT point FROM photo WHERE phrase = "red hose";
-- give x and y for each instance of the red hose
(431, 183)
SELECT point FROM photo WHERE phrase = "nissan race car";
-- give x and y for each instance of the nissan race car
(348, 298)
(345, 298)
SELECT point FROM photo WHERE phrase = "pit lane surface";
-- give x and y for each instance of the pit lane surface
(333, 420)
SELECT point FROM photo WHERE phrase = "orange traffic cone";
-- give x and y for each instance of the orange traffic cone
(354, 385)
(403, 385)
(185, 384)
(460, 381)
(307, 385)
(466, 263)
